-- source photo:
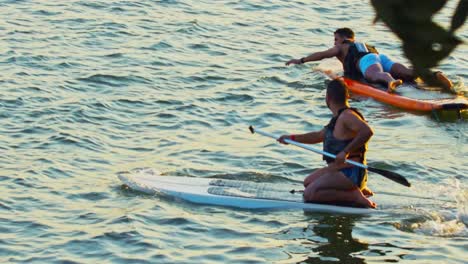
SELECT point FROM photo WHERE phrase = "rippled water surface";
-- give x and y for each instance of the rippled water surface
(92, 88)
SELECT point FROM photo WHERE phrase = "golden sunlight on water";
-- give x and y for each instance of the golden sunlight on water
(94, 88)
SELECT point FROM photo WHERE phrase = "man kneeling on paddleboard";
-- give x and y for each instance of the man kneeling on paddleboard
(363, 61)
(345, 136)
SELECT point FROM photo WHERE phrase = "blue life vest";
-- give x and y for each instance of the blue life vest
(356, 51)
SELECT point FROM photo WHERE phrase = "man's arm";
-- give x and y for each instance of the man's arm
(308, 138)
(329, 53)
(354, 123)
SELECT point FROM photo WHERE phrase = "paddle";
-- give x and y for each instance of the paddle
(388, 174)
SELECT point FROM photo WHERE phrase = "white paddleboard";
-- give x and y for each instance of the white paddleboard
(230, 193)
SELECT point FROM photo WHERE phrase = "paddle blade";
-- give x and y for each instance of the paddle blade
(391, 175)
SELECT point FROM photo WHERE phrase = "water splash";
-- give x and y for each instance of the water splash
(461, 197)
(440, 225)
(451, 222)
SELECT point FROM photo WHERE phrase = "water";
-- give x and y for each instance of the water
(91, 88)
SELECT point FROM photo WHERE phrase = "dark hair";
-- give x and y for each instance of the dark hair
(337, 91)
(345, 33)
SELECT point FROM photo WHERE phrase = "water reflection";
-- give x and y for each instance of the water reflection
(340, 246)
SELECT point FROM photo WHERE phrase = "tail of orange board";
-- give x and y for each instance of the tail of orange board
(457, 103)
(403, 102)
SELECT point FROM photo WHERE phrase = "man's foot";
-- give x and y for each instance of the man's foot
(446, 83)
(393, 85)
(367, 192)
(330, 74)
(362, 200)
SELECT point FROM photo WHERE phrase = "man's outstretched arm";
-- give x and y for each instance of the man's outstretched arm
(332, 52)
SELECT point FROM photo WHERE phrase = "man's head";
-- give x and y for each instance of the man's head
(337, 93)
(342, 34)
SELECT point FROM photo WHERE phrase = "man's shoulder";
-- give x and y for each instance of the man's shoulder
(352, 114)
(343, 45)
(342, 49)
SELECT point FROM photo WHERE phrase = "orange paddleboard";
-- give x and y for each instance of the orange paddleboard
(403, 102)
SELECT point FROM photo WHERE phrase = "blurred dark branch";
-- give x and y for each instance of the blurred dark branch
(425, 43)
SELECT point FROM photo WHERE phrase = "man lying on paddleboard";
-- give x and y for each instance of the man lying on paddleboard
(346, 136)
(361, 60)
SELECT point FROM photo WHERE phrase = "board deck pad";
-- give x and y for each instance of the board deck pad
(252, 190)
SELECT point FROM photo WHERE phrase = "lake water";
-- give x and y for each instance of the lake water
(93, 88)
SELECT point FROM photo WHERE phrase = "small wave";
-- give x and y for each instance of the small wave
(114, 55)
(93, 5)
(67, 139)
(90, 196)
(159, 46)
(4, 206)
(113, 80)
(171, 102)
(46, 13)
(273, 79)
(131, 103)
(204, 79)
(198, 46)
(235, 98)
